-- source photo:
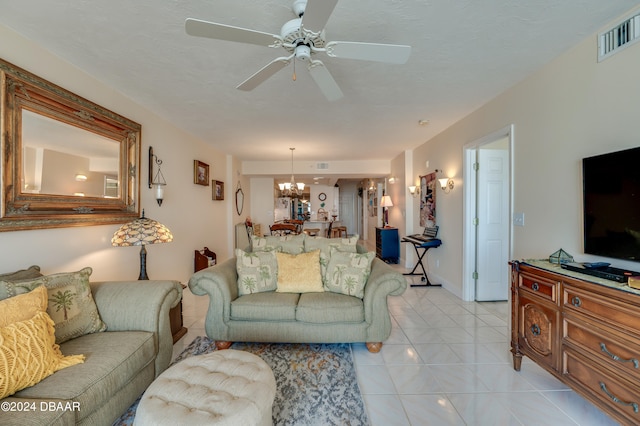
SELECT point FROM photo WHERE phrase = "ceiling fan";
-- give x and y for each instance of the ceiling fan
(302, 38)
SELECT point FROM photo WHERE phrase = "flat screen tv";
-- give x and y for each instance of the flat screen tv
(612, 204)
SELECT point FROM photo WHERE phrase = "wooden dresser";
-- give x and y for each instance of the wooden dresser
(583, 330)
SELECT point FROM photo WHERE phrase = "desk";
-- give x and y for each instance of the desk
(424, 246)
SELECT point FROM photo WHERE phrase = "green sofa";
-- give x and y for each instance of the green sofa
(297, 318)
(119, 365)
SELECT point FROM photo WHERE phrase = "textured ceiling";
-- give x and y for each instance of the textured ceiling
(464, 53)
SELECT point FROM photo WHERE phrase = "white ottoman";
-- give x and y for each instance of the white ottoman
(225, 387)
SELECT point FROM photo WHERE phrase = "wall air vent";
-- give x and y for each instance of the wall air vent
(619, 37)
(322, 166)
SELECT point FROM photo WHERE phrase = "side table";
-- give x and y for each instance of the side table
(175, 317)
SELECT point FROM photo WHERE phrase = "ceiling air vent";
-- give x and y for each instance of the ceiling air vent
(619, 37)
(322, 166)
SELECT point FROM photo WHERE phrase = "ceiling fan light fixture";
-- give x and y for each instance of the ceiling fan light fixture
(303, 52)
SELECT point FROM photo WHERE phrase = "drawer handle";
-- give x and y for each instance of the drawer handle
(575, 301)
(617, 400)
(535, 286)
(604, 349)
(535, 329)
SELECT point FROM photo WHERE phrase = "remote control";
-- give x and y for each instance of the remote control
(595, 265)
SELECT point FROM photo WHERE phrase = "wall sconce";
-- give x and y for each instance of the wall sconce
(81, 178)
(446, 184)
(414, 190)
(158, 180)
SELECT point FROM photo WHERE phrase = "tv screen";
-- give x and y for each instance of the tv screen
(612, 204)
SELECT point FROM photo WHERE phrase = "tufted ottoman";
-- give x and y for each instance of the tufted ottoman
(227, 387)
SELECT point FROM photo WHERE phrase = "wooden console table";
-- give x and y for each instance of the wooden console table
(583, 330)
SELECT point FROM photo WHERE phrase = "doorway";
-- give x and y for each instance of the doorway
(487, 217)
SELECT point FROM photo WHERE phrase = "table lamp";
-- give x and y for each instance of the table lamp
(385, 203)
(141, 232)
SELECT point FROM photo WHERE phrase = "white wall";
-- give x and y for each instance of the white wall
(262, 202)
(188, 210)
(572, 108)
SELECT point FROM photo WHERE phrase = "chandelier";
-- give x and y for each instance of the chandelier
(291, 189)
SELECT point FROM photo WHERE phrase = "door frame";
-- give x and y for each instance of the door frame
(469, 243)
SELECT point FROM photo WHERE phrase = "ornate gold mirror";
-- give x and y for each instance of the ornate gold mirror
(66, 161)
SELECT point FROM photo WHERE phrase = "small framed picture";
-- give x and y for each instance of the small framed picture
(200, 173)
(218, 190)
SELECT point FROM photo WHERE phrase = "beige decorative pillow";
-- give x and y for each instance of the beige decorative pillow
(23, 306)
(326, 244)
(257, 271)
(71, 304)
(23, 274)
(347, 273)
(292, 244)
(28, 354)
(299, 273)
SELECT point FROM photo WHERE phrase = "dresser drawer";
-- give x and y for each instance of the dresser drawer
(614, 312)
(538, 331)
(618, 395)
(611, 350)
(543, 287)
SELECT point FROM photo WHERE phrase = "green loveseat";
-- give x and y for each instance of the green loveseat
(325, 317)
(119, 365)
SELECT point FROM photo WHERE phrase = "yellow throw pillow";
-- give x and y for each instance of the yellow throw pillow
(23, 306)
(28, 354)
(299, 273)
(71, 304)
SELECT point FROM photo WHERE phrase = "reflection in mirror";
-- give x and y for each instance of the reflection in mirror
(59, 159)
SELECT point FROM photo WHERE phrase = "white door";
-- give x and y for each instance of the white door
(492, 279)
(348, 213)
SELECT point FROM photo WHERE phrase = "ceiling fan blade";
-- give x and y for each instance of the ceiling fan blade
(317, 13)
(267, 71)
(325, 81)
(198, 28)
(389, 53)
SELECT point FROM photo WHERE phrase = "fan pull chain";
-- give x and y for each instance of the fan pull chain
(294, 68)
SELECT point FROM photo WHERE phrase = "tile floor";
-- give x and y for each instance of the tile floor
(447, 362)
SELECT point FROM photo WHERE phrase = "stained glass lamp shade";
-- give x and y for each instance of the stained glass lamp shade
(141, 232)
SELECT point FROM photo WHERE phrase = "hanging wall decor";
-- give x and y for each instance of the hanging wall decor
(428, 200)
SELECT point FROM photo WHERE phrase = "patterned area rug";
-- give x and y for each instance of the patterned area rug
(316, 384)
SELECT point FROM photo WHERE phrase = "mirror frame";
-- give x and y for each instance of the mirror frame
(239, 200)
(20, 89)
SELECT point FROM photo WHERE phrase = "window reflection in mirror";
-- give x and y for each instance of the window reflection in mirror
(60, 159)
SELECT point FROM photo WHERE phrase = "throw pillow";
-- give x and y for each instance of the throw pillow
(292, 244)
(347, 273)
(23, 274)
(257, 271)
(23, 306)
(299, 273)
(28, 353)
(326, 244)
(71, 304)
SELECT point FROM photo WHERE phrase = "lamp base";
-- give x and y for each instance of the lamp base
(143, 264)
